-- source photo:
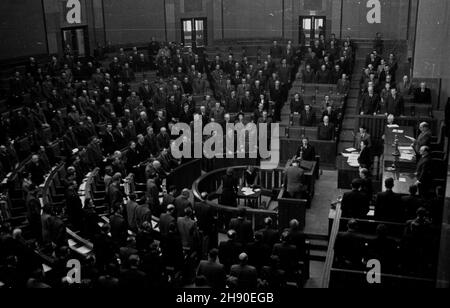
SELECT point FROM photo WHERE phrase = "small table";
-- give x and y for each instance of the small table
(250, 194)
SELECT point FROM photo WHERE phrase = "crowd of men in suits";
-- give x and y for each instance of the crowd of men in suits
(94, 113)
(420, 214)
(382, 93)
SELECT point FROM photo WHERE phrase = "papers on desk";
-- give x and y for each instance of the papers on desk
(398, 131)
(406, 156)
(352, 159)
(247, 191)
(83, 250)
(406, 149)
(351, 150)
(393, 126)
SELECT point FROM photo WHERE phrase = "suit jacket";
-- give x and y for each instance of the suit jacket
(293, 180)
(365, 158)
(355, 204)
(288, 256)
(297, 106)
(326, 132)
(424, 139)
(244, 230)
(395, 106)
(388, 207)
(165, 220)
(422, 97)
(308, 153)
(247, 276)
(425, 171)
(229, 253)
(404, 89)
(370, 104)
(308, 119)
(213, 272)
(359, 138)
(217, 114)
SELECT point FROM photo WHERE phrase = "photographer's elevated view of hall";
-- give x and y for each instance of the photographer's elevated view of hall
(234, 145)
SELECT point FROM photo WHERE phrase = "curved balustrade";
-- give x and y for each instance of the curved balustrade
(271, 183)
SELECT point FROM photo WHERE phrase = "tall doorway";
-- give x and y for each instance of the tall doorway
(77, 39)
(310, 29)
(194, 33)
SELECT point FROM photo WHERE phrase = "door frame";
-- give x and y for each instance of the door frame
(194, 30)
(313, 18)
(86, 39)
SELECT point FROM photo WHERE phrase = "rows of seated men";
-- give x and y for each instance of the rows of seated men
(238, 84)
(381, 93)
(184, 253)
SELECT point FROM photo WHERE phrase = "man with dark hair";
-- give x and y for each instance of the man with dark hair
(229, 250)
(388, 206)
(243, 227)
(411, 203)
(349, 247)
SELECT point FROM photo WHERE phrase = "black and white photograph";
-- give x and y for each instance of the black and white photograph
(224, 151)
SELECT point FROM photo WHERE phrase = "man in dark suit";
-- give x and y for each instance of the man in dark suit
(289, 259)
(349, 246)
(422, 95)
(361, 136)
(213, 272)
(229, 251)
(308, 117)
(424, 138)
(365, 157)
(270, 236)
(166, 219)
(109, 142)
(370, 103)
(355, 203)
(326, 130)
(388, 206)
(305, 151)
(411, 203)
(395, 104)
(293, 181)
(246, 275)
(182, 202)
(243, 227)
(297, 238)
(424, 171)
(331, 114)
(258, 252)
